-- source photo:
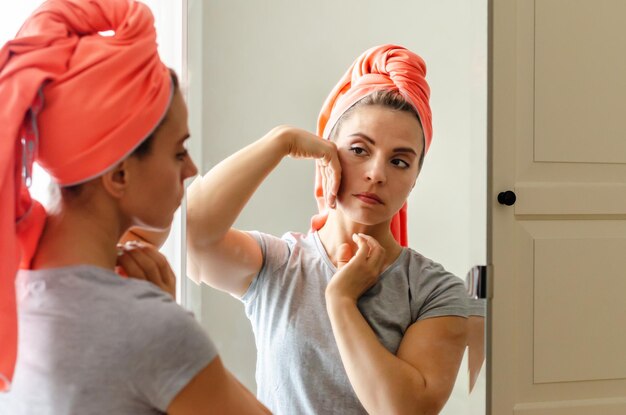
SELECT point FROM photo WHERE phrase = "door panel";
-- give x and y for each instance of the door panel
(578, 407)
(579, 308)
(558, 198)
(575, 94)
(557, 139)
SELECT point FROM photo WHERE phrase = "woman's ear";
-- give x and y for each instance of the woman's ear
(115, 181)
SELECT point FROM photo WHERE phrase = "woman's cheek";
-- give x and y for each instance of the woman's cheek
(344, 184)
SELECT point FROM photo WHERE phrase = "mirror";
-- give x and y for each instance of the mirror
(253, 66)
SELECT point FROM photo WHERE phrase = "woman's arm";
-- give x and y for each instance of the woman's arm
(215, 391)
(219, 255)
(419, 379)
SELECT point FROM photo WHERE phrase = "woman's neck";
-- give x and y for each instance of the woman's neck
(339, 230)
(78, 236)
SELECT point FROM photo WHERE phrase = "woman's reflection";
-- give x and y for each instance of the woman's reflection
(347, 318)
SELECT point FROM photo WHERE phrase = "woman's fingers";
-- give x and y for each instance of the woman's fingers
(330, 191)
(324, 174)
(149, 268)
(327, 152)
(370, 250)
(370, 241)
(130, 266)
(335, 177)
(361, 272)
(376, 252)
(143, 261)
(304, 144)
(362, 252)
(330, 197)
(330, 169)
(166, 274)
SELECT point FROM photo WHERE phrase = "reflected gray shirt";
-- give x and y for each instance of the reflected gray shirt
(299, 370)
(91, 342)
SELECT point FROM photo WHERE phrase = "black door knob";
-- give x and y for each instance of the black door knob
(507, 198)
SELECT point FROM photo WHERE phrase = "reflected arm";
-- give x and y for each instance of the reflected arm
(218, 254)
(475, 347)
(418, 380)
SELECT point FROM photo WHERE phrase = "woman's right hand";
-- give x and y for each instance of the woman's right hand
(143, 261)
(303, 144)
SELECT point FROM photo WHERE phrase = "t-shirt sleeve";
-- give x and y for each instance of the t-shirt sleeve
(477, 307)
(169, 349)
(275, 255)
(440, 294)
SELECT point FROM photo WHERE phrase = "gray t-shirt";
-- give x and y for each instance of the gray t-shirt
(299, 370)
(91, 342)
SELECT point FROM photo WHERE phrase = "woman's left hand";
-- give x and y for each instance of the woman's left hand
(143, 261)
(357, 273)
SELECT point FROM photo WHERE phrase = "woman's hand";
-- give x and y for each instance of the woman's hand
(303, 144)
(156, 238)
(357, 273)
(144, 262)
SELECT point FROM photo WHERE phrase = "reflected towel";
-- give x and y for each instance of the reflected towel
(385, 67)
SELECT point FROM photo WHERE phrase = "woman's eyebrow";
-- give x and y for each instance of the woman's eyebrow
(395, 150)
(405, 150)
(184, 138)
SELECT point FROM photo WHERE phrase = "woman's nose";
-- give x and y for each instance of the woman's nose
(376, 171)
(190, 169)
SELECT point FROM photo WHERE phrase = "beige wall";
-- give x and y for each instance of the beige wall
(267, 63)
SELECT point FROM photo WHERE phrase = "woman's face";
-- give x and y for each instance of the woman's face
(379, 150)
(156, 185)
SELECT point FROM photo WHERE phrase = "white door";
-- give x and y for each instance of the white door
(558, 140)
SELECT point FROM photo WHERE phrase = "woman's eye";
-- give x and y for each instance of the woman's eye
(400, 163)
(357, 150)
(182, 155)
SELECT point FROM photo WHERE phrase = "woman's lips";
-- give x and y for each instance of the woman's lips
(369, 198)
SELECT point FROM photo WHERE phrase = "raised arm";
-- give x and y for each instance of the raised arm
(218, 254)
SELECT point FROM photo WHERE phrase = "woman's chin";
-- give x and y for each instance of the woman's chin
(361, 215)
(159, 225)
(363, 218)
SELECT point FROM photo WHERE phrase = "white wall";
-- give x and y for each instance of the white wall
(273, 62)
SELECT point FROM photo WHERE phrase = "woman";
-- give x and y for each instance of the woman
(106, 119)
(346, 318)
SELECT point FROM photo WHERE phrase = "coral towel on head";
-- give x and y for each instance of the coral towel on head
(385, 67)
(77, 103)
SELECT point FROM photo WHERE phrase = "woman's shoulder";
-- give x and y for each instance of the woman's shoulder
(435, 290)
(86, 284)
(289, 240)
(417, 260)
(93, 291)
(97, 304)
(291, 237)
(425, 271)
